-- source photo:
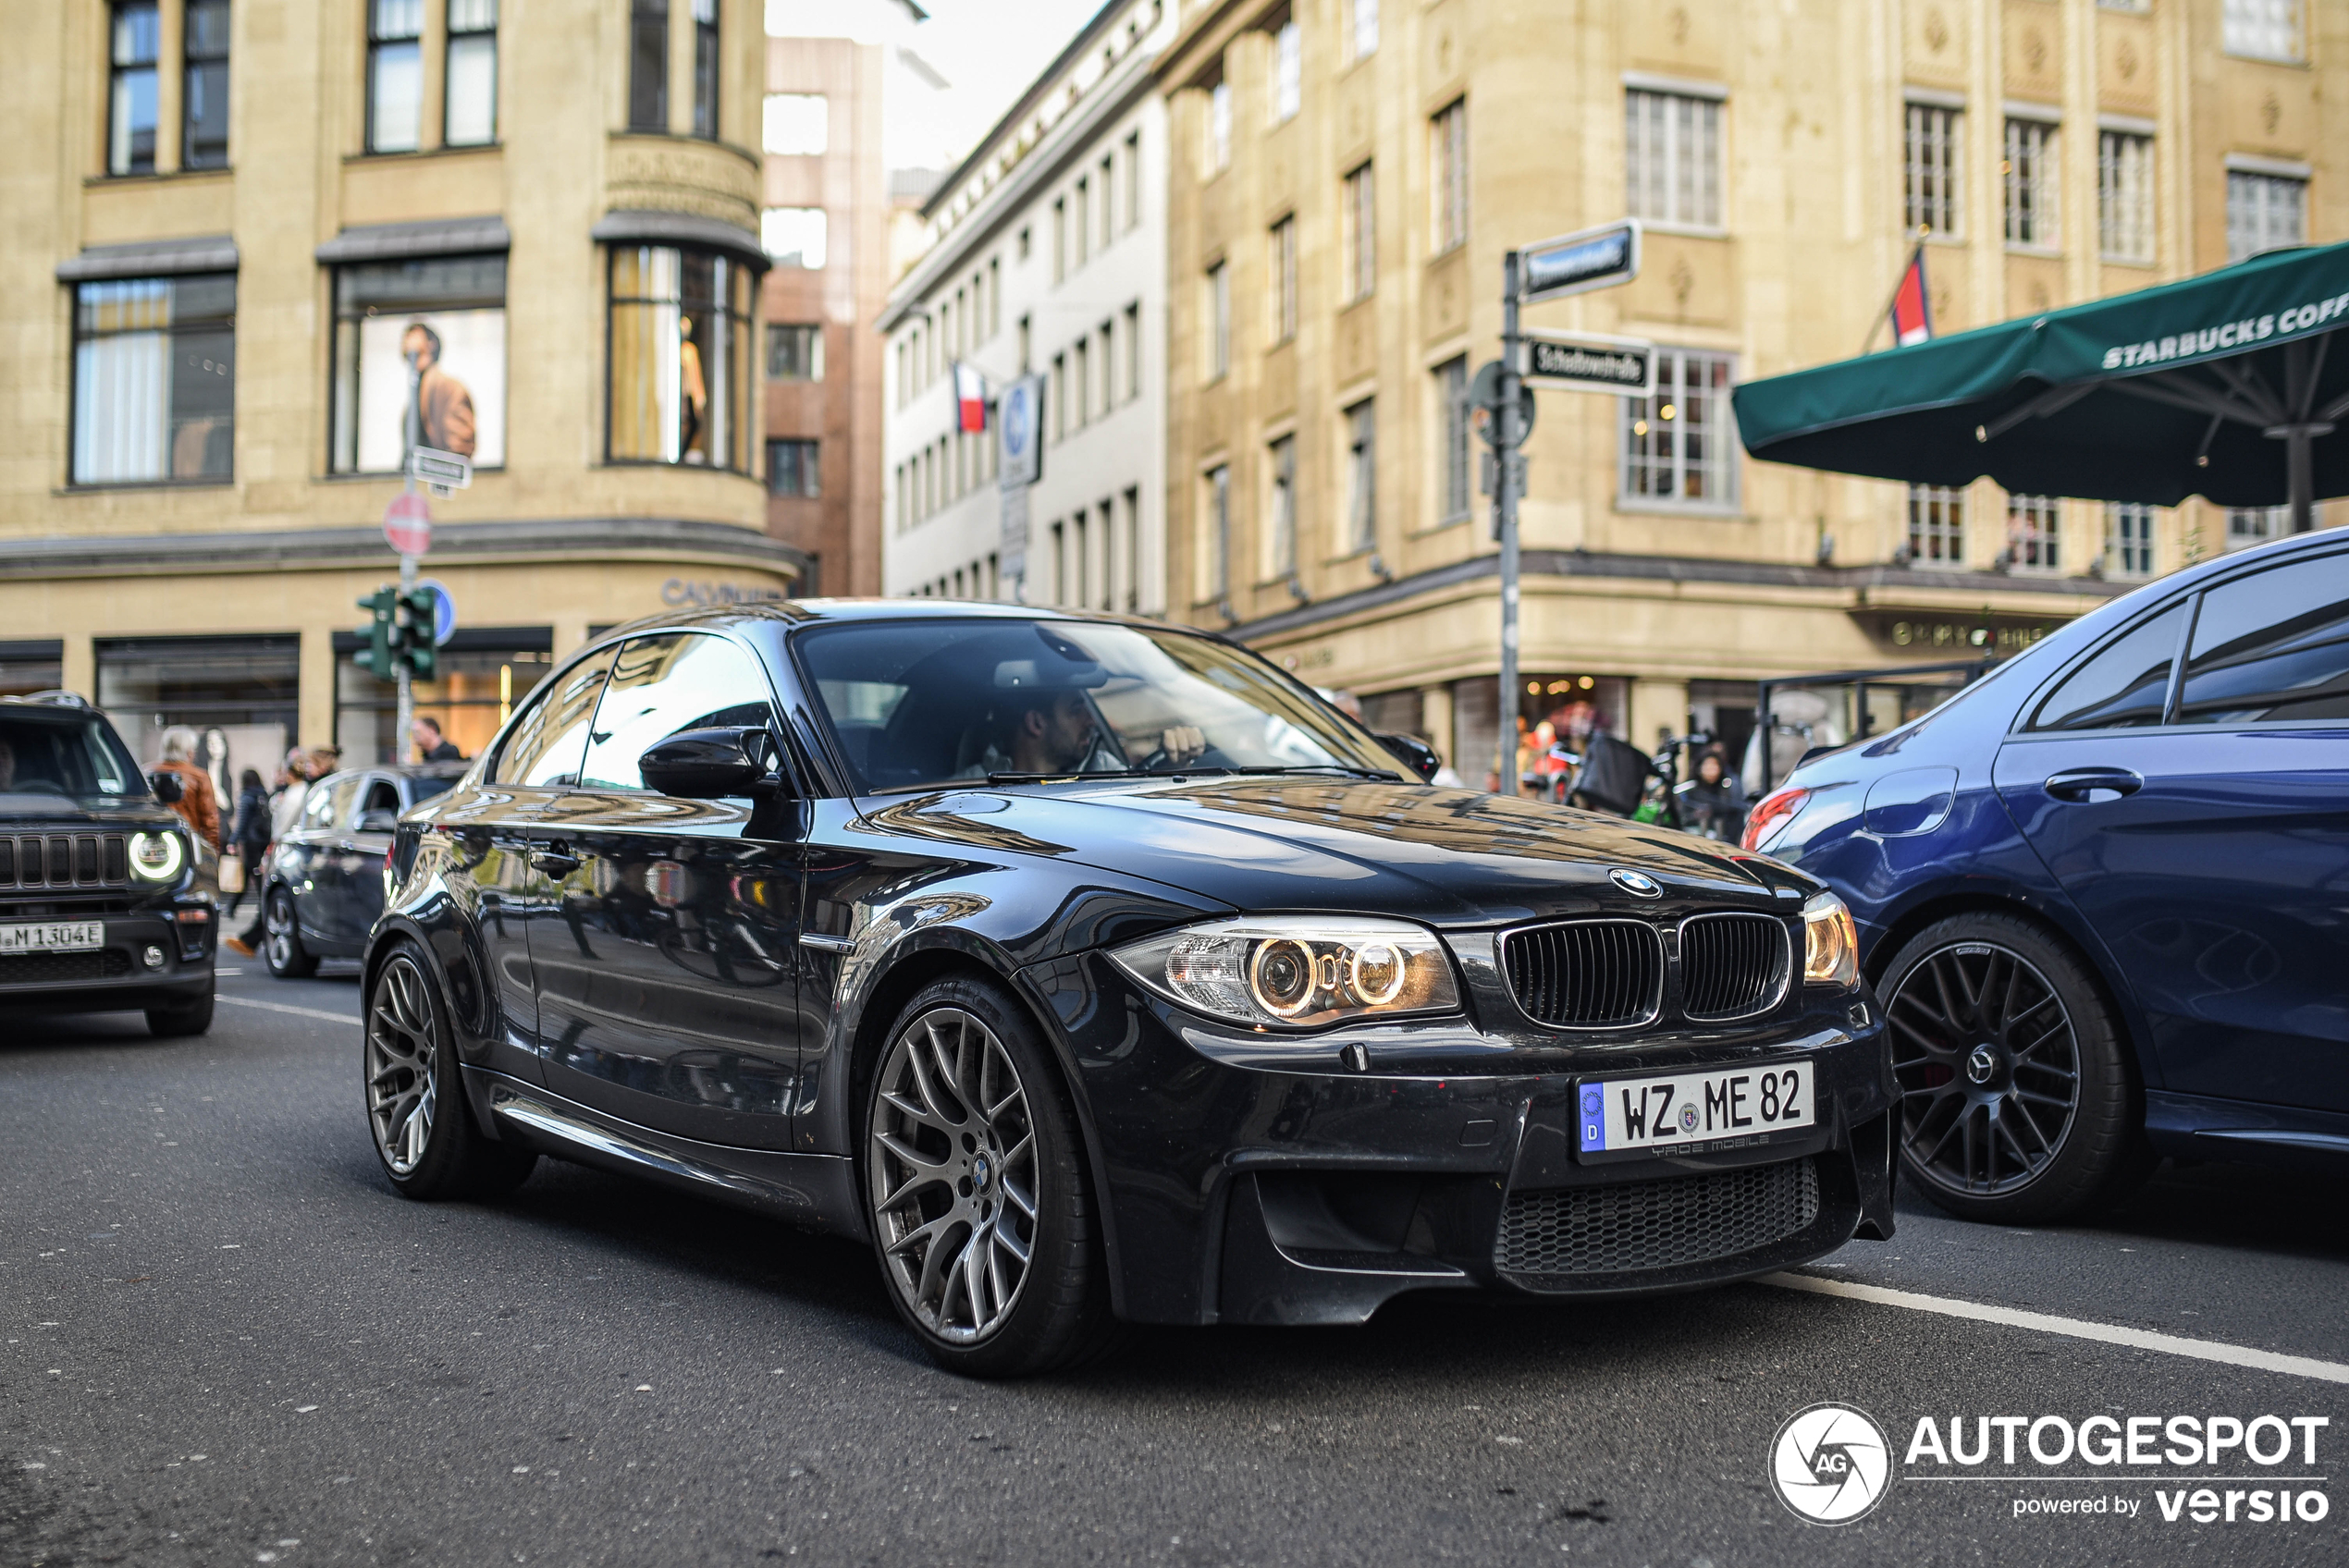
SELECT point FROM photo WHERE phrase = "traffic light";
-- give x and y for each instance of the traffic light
(419, 612)
(383, 634)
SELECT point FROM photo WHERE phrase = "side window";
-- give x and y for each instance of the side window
(546, 745)
(2273, 645)
(660, 685)
(2123, 686)
(319, 806)
(340, 801)
(382, 795)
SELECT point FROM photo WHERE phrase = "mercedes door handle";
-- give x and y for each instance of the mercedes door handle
(554, 862)
(2082, 783)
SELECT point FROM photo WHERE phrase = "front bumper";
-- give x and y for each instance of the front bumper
(1245, 1185)
(116, 976)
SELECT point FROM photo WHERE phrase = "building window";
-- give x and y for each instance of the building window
(1133, 503)
(1218, 553)
(1447, 150)
(1452, 396)
(395, 75)
(204, 140)
(796, 123)
(795, 351)
(794, 469)
(1133, 350)
(2247, 526)
(1133, 182)
(648, 64)
(1934, 157)
(1084, 366)
(472, 691)
(2124, 196)
(470, 118)
(994, 295)
(1672, 158)
(2034, 533)
(1936, 525)
(1361, 475)
(794, 236)
(1364, 33)
(2263, 30)
(1219, 125)
(1082, 221)
(1107, 181)
(419, 358)
(1284, 270)
(1060, 238)
(2264, 211)
(1677, 447)
(130, 108)
(1283, 509)
(1357, 213)
(680, 360)
(706, 69)
(1219, 321)
(2128, 540)
(1288, 71)
(2029, 172)
(154, 379)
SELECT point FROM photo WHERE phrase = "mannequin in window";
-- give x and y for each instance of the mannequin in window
(694, 402)
(444, 406)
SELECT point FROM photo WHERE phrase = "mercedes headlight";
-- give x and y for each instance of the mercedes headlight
(1296, 971)
(1830, 943)
(157, 857)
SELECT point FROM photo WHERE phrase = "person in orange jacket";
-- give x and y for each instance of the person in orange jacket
(197, 802)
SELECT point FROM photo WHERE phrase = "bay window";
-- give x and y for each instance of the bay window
(681, 358)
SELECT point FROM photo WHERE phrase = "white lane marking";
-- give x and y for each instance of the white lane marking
(2076, 1327)
(297, 1012)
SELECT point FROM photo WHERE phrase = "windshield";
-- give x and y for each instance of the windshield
(919, 704)
(64, 756)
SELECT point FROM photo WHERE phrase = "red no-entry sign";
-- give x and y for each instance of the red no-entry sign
(407, 523)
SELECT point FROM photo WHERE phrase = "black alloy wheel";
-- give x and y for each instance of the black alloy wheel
(983, 1221)
(424, 1131)
(281, 944)
(2018, 1103)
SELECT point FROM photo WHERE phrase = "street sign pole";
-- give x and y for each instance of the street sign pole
(1508, 419)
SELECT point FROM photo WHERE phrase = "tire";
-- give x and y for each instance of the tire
(281, 941)
(421, 1124)
(957, 1191)
(2020, 1102)
(181, 1018)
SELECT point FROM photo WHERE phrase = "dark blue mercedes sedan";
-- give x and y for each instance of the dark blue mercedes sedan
(2104, 893)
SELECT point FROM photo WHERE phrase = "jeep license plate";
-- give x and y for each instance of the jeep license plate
(53, 937)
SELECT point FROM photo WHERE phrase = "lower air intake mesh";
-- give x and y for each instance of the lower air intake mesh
(1663, 1224)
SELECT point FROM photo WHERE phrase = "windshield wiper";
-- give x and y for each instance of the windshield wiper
(1070, 777)
(1346, 768)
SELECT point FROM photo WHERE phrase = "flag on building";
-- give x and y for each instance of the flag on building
(1912, 310)
(970, 400)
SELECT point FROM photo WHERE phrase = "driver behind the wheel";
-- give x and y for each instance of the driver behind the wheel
(1048, 731)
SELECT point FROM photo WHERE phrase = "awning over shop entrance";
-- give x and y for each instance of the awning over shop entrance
(2229, 385)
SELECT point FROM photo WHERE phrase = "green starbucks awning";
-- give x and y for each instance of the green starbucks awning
(2229, 385)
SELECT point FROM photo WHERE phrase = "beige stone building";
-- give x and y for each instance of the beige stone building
(250, 245)
(1347, 175)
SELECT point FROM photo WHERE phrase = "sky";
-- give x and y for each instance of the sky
(987, 50)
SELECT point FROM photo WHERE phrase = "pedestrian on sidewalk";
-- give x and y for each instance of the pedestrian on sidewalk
(198, 806)
(252, 834)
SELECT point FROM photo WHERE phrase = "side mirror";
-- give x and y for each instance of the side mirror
(705, 765)
(1414, 752)
(167, 785)
(378, 822)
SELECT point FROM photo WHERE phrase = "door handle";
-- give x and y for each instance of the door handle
(2080, 783)
(554, 860)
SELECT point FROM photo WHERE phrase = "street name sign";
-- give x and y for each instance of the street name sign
(1573, 264)
(1583, 361)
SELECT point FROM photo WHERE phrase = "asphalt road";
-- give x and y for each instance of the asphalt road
(227, 1342)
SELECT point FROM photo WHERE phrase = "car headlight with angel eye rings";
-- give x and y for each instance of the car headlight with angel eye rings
(1296, 971)
(1830, 942)
(157, 857)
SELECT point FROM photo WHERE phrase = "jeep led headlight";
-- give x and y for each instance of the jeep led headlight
(156, 857)
(1296, 971)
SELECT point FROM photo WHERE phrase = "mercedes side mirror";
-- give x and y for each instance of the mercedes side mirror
(706, 765)
(1415, 751)
(167, 785)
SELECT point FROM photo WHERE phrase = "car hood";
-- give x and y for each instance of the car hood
(20, 812)
(1449, 857)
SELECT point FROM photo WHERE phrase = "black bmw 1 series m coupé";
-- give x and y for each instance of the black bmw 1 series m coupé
(1095, 970)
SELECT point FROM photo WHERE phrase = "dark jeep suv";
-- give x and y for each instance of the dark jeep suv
(103, 904)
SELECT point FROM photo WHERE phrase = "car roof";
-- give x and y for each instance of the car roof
(798, 613)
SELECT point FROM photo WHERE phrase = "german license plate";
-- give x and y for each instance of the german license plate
(1652, 1115)
(53, 937)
